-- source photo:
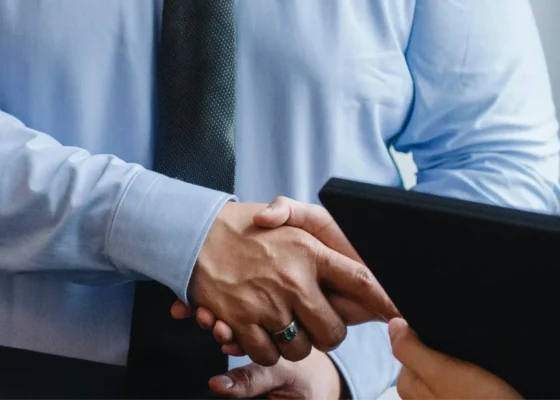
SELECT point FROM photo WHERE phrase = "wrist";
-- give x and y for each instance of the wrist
(221, 250)
(158, 228)
(210, 242)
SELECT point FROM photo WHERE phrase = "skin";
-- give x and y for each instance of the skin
(316, 377)
(297, 253)
(428, 374)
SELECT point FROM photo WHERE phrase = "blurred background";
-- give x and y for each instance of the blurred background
(547, 15)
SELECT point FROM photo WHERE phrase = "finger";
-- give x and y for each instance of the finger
(205, 318)
(296, 349)
(410, 386)
(312, 218)
(233, 349)
(350, 311)
(292, 350)
(275, 215)
(247, 382)
(222, 332)
(355, 281)
(424, 362)
(325, 328)
(180, 310)
(258, 345)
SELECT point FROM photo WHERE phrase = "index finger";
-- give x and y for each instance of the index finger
(353, 280)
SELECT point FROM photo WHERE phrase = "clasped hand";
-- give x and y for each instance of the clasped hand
(353, 296)
(260, 268)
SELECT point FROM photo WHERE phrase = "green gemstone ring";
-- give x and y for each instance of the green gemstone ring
(287, 334)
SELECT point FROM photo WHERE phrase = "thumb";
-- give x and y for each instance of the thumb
(276, 214)
(424, 362)
(312, 218)
(249, 381)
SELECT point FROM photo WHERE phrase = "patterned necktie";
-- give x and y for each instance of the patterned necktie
(195, 143)
(197, 92)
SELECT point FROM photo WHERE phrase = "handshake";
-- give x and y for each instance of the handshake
(276, 281)
(280, 280)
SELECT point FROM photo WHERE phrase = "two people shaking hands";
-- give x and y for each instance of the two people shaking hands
(286, 290)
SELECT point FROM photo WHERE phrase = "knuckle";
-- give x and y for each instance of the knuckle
(338, 336)
(282, 200)
(298, 355)
(307, 351)
(364, 278)
(334, 338)
(292, 281)
(325, 257)
(302, 240)
(267, 359)
(274, 321)
(242, 376)
(267, 252)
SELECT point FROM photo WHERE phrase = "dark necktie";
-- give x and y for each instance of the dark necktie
(195, 143)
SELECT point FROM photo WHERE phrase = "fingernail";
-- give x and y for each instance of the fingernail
(265, 211)
(225, 381)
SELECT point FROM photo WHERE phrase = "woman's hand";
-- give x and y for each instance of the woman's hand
(428, 374)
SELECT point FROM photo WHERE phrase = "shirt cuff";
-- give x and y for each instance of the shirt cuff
(159, 227)
(365, 361)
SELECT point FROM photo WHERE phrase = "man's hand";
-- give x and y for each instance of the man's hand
(317, 221)
(354, 293)
(428, 374)
(316, 377)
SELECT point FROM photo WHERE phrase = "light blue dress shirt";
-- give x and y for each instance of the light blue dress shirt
(325, 88)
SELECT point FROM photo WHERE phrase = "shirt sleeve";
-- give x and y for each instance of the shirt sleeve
(365, 360)
(482, 128)
(95, 219)
(483, 125)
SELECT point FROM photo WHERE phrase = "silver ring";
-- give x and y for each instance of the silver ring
(287, 334)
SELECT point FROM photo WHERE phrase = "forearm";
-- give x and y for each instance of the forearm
(94, 218)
